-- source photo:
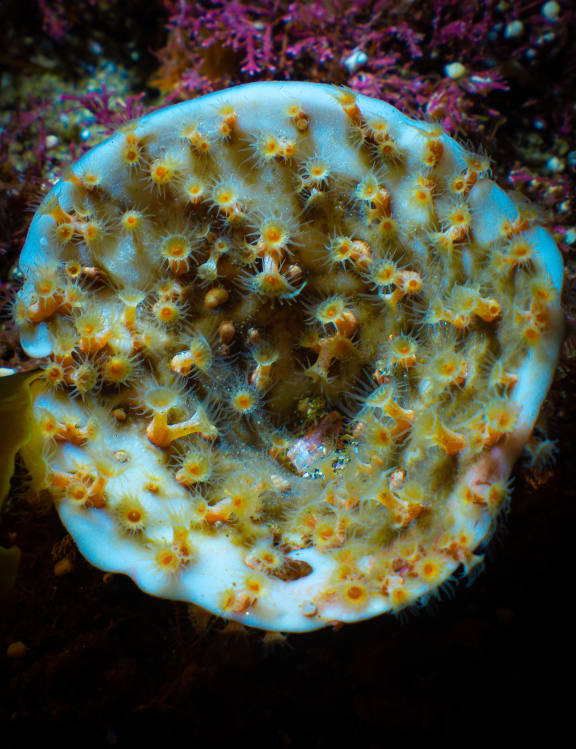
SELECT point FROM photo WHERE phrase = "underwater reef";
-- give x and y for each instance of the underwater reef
(84, 653)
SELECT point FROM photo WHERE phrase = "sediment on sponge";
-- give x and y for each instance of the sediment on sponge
(295, 341)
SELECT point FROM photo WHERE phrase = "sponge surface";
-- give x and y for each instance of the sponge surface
(295, 341)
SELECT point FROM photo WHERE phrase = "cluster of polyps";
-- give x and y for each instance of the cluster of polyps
(294, 343)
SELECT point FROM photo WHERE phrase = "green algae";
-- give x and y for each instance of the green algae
(16, 421)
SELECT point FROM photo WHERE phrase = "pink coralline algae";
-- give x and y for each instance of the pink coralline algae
(402, 45)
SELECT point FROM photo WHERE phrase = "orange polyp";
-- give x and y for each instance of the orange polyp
(398, 597)
(131, 155)
(518, 253)
(487, 309)
(159, 432)
(402, 417)
(346, 324)
(162, 434)
(92, 341)
(176, 251)
(200, 144)
(341, 249)
(244, 400)
(384, 273)
(59, 214)
(403, 351)
(501, 417)
(458, 185)
(161, 174)
(287, 149)
(299, 118)
(132, 151)
(450, 441)
(65, 232)
(539, 314)
(167, 312)
(92, 231)
(196, 467)
(228, 122)
(216, 297)
(381, 206)
(431, 570)
(511, 229)
(90, 180)
(348, 103)
(78, 492)
(184, 363)
(116, 370)
(131, 220)
(422, 196)
(45, 307)
(54, 374)
(119, 369)
(361, 253)
(470, 179)
(167, 561)
(409, 282)
(433, 153)
(388, 149)
(70, 432)
(355, 594)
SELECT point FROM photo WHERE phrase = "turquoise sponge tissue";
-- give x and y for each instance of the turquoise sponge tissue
(295, 343)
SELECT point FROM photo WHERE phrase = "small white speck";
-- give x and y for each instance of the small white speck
(455, 70)
(51, 141)
(355, 59)
(514, 29)
(555, 164)
(551, 10)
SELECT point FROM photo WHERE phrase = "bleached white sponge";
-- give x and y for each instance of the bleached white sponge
(295, 342)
